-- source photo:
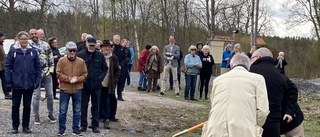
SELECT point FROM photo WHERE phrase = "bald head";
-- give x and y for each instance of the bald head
(262, 52)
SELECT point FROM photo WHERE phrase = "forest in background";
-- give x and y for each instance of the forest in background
(152, 21)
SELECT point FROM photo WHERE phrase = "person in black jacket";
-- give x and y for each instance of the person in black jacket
(206, 70)
(97, 70)
(263, 63)
(281, 62)
(53, 42)
(120, 53)
(291, 125)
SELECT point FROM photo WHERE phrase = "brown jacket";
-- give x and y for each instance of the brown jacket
(2, 57)
(67, 69)
(114, 74)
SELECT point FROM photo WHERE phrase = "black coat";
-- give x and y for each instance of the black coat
(120, 53)
(281, 68)
(290, 106)
(97, 68)
(206, 65)
(276, 86)
(55, 52)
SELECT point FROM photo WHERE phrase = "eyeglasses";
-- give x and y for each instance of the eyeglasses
(253, 57)
(72, 50)
(24, 39)
(193, 49)
(33, 34)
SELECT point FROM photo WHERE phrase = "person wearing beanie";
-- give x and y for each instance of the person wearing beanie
(142, 86)
(72, 72)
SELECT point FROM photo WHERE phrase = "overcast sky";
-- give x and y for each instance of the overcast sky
(280, 28)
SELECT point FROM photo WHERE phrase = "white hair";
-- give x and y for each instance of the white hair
(240, 59)
(116, 36)
(192, 47)
(89, 36)
(263, 52)
(205, 47)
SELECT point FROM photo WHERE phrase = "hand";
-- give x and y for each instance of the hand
(168, 53)
(227, 58)
(55, 56)
(287, 117)
(74, 79)
(169, 58)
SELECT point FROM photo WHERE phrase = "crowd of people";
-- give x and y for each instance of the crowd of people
(96, 71)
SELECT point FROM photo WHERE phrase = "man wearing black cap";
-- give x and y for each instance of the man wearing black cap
(108, 102)
(7, 94)
(97, 70)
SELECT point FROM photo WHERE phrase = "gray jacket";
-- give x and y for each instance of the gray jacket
(175, 52)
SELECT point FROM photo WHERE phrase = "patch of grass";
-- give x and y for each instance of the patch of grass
(171, 121)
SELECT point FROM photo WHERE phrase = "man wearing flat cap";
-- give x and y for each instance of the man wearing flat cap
(108, 102)
(6, 92)
(72, 72)
(97, 70)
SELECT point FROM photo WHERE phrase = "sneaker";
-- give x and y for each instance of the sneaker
(26, 130)
(76, 133)
(37, 120)
(8, 96)
(83, 129)
(60, 133)
(52, 119)
(120, 98)
(106, 124)
(177, 95)
(15, 131)
(139, 88)
(161, 93)
(96, 130)
(193, 99)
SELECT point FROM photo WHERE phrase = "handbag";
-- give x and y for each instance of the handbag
(184, 69)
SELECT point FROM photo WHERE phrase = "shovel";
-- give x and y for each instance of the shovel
(190, 129)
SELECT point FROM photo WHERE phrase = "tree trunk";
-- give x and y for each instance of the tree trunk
(252, 24)
(213, 16)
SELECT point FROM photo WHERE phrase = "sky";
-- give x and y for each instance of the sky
(279, 26)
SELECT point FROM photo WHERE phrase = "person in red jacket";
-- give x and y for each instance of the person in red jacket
(141, 64)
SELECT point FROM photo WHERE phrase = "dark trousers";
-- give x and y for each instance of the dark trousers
(95, 102)
(113, 106)
(54, 84)
(271, 129)
(16, 100)
(171, 77)
(153, 82)
(4, 83)
(204, 82)
(104, 104)
(122, 80)
(128, 76)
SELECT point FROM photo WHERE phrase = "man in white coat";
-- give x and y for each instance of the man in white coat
(239, 102)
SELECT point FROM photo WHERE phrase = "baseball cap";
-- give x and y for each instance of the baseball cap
(71, 45)
(92, 41)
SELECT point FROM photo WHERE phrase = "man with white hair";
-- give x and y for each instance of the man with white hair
(41, 35)
(239, 110)
(263, 64)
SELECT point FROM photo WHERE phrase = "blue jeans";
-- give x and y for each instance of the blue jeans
(3, 83)
(47, 82)
(17, 94)
(142, 80)
(63, 109)
(104, 104)
(190, 86)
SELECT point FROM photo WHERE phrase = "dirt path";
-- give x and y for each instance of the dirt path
(127, 125)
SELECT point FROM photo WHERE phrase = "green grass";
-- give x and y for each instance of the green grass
(171, 121)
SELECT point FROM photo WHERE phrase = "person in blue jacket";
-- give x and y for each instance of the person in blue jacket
(225, 58)
(130, 61)
(23, 72)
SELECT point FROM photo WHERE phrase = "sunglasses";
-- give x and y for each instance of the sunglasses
(33, 34)
(72, 50)
(193, 49)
